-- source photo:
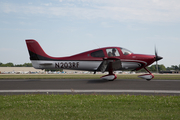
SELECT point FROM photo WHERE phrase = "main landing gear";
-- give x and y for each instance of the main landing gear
(148, 77)
(111, 76)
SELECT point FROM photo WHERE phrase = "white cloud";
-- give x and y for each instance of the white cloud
(47, 4)
(7, 8)
(120, 10)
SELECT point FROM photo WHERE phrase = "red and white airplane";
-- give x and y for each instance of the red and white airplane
(102, 59)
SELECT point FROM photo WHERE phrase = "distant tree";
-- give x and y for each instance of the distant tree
(1, 63)
(168, 68)
(176, 67)
(27, 64)
(9, 64)
(24, 65)
(152, 68)
(18, 65)
(173, 67)
(162, 67)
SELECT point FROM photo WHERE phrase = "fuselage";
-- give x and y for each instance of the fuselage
(92, 59)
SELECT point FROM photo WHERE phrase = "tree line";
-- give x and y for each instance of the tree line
(15, 65)
(10, 64)
(161, 67)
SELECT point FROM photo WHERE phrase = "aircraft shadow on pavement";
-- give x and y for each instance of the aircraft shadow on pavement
(98, 81)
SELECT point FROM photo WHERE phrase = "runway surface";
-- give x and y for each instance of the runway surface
(85, 86)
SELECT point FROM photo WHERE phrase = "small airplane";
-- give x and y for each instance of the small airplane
(102, 59)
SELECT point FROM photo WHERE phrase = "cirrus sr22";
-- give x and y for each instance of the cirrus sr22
(107, 59)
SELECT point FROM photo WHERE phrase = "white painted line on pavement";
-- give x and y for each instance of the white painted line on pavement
(91, 91)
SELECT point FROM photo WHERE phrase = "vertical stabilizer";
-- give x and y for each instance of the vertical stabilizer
(35, 51)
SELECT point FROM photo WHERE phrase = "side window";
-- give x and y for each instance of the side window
(112, 52)
(98, 53)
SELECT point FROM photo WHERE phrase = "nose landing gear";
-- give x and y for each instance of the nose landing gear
(148, 77)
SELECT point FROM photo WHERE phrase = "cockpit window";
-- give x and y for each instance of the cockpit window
(112, 52)
(98, 53)
(125, 51)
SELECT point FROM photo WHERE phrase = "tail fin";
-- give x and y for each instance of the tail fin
(35, 51)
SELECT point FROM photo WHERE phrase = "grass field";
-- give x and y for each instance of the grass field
(94, 106)
(83, 76)
(103, 107)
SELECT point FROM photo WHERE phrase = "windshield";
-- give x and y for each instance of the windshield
(125, 51)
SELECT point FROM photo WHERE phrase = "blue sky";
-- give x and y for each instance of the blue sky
(67, 27)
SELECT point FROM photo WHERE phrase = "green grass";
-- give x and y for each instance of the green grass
(103, 107)
(83, 76)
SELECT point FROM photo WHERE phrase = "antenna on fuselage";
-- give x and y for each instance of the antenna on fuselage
(95, 43)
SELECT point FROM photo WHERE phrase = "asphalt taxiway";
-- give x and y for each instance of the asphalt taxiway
(85, 86)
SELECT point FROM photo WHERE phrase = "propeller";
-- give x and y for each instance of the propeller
(157, 58)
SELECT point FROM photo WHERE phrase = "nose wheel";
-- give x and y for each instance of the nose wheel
(148, 77)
